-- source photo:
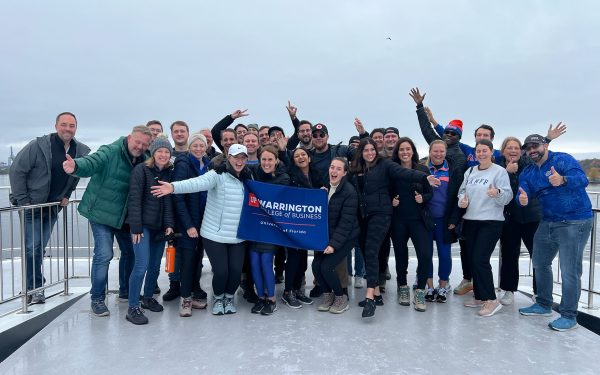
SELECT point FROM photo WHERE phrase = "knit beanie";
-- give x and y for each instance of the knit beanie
(197, 136)
(160, 141)
(455, 125)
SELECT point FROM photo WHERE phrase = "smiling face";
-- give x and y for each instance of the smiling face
(405, 153)
(389, 140)
(301, 159)
(161, 157)
(304, 133)
(208, 135)
(319, 140)
(512, 151)
(268, 162)
(369, 153)
(198, 149)
(336, 172)
(66, 126)
(451, 137)
(263, 136)
(138, 143)
(238, 162)
(240, 132)
(227, 139)
(180, 135)
(155, 129)
(536, 151)
(251, 143)
(482, 133)
(437, 154)
(484, 155)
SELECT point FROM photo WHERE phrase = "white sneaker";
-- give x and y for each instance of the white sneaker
(359, 282)
(508, 298)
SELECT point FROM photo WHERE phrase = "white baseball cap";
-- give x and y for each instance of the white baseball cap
(237, 149)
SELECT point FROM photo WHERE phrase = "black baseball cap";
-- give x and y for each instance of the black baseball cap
(392, 129)
(534, 139)
(354, 138)
(319, 128)
(275, 128)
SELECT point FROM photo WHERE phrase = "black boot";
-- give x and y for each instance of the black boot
(173, 292)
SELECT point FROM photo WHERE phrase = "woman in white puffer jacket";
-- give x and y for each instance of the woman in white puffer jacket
(224, 203)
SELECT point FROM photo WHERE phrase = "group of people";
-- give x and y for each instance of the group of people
(379, 192)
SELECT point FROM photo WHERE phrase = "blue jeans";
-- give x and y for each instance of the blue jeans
(38, 228)
(568, 239)
(148, 255)
(359, 262)
(103, 253)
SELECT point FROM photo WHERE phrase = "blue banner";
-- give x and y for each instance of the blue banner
(285, 216)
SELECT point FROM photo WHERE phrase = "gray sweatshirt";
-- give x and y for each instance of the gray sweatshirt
(476, 184)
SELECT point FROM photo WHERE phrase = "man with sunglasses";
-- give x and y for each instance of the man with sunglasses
(559, 182)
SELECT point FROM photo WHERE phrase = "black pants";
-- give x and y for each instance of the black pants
(226, 261)
(372, 233)
(510, 250)
(465, 260)
(247, 268)
(295, 266)
(384, 253)
(192, 251)
(280, 261)
(324, 266)
(420, 235)
(481, 237)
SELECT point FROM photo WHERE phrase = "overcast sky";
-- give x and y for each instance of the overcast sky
(517, 65)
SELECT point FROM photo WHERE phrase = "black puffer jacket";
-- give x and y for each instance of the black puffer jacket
(342, 219)
(408, 207)
(189, 208)
(513, 211)
(453, 214)
(297, 178)
(374, 196)
(144, 210)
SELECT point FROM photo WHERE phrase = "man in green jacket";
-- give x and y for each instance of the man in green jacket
(104, 202)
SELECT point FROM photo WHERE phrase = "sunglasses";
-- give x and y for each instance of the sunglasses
(319, 135)
(451, 132)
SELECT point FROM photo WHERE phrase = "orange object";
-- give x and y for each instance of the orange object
(170, 262)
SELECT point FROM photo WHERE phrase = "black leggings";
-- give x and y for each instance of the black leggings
(226, 260)
(191, 251)
(324, 266)
(465, 260)
(510, 246)
(481, 237)
(373, 229)
(384, 253)
(295, 266)
(416, 230)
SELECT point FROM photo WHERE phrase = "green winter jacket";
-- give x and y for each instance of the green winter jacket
(105, 198)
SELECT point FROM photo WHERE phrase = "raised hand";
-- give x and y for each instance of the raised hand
(418, 197)
(555, 179)
(281, 142)
(359, 126)
(557, 131)
(464, 202)
(395, 201)
(291, 110)
(523, 198)
(161, 190)
(430, 116)
(69, 165)
(239, 113)
(512, 166)
(416, 95)
(492, 191)
(433, 181)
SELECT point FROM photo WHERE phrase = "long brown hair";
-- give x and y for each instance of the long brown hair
(359, 165)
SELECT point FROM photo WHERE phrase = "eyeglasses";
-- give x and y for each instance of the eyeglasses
(319, 135)
(451, 132)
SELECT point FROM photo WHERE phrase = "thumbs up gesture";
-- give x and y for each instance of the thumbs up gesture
(555, 179)
(512, 166)
(492, 191)
(69, 165)
(418, 197)
(523, 198)
(464, 202)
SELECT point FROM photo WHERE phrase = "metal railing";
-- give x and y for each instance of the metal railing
(44, 237)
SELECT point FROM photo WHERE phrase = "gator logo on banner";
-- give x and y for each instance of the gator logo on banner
(284, 215)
